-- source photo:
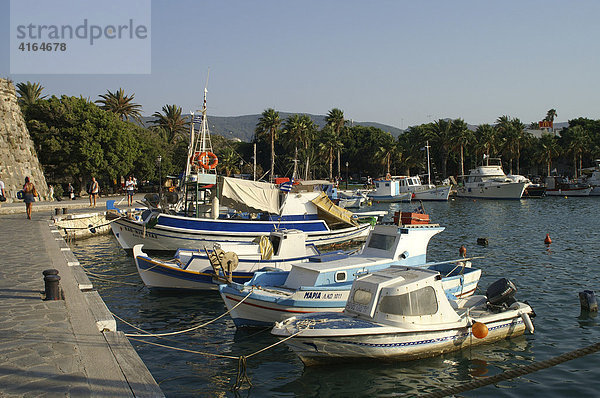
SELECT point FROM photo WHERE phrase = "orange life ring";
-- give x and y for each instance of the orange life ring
(205, 160)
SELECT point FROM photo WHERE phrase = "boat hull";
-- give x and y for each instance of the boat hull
(403, 346)
(569, 192)
(499, 191)
(204, 232)
(402, 197)
(440, 193)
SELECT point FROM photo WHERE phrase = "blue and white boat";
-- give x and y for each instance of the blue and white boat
(401, 314)
(253, 209)
(192, 269)
(323, 284)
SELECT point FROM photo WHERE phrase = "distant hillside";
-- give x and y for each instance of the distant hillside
(242, 127)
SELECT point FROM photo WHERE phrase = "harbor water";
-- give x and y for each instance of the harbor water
(548, 277)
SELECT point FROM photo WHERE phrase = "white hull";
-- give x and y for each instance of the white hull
(404, 346)
(438, 193)
(570, 192)
(130, 233)
(509, 190)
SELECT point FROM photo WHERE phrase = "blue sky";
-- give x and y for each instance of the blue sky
(395, 62)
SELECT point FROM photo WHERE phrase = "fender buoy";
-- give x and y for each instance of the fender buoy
(462, 251)
(388, 176)
(547, 240)
(479, 330)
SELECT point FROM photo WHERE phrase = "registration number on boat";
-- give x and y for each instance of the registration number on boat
(322, 296)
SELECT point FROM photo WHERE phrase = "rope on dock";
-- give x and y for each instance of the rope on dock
(150, 334)
(519, 371)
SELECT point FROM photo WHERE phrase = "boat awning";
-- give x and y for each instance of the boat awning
(331, 211)
(250, 196)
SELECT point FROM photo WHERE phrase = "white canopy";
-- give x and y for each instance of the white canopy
(251, 196)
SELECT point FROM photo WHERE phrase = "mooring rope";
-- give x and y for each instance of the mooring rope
(519, 371)
(150, 334)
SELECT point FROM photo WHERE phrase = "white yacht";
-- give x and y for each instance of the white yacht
(489, 182)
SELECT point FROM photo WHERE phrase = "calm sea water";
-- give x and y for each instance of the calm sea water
(549, 278)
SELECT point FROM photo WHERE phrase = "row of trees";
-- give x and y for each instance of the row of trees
(77, 138)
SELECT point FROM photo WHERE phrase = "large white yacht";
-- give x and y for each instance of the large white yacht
(489, 182)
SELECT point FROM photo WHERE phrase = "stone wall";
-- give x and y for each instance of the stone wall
(18, 158)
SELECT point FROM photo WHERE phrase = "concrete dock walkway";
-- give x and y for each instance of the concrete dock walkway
(65, 347)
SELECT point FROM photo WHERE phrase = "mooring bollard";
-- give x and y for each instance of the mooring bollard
(56, 211)
(588, 302)
(51, 284)
(65, 210)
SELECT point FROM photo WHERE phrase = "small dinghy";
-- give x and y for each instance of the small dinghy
(192, 269)
(403, 313)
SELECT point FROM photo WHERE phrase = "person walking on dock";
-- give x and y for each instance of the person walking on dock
(93, 191)
(29, 193)
(2, 193)
(71, 191)
(130, 188)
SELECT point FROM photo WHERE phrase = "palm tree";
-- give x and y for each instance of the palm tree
(29, 93)
(229, 161)
(508, 136)
(329, 142)
(170, 123)
(335, 119)
(578, 143)
(440, 135)
(487, 139)
(121, 104)
(519, 132)
(308, 136)
(295, 127)
(462, 136)
(550, 115)
(269, 123)
(548, 148)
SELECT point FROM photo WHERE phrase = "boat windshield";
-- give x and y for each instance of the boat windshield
(382, 242)
(416, 303)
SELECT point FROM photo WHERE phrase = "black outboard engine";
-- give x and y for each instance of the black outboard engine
(501, 294)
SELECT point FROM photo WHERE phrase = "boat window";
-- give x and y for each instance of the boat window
(403, 183)
(415, 303)
(410, 182)
(377, 184)
(383, 242)
(340, 276)
(387, 184)
(362, 297)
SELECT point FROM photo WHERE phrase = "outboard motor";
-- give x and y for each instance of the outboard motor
(501, 294)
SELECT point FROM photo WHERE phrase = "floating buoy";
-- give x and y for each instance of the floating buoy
(547, 240)
(479, 330)
(588, 302)
(462, 251)
(482, 241)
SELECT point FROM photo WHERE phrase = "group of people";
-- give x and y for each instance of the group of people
(29, 192)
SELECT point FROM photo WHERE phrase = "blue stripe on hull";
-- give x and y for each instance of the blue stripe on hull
(258, 227)
(198, 277)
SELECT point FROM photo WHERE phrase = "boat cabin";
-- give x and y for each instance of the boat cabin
(385, 245)
(401, 296)
(284, 242)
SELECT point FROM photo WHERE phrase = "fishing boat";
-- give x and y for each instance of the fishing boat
(593, 178)
(531, 190)
(403, 313)
(560, 186)
(323, 284)
(253, 209)
(352, 200)
(195, 269)
(489, 182)
(406, 188)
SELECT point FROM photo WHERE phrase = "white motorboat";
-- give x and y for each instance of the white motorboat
(192, 269)
(403, 313)
(323, 284)
(593, 179)
(489, 182)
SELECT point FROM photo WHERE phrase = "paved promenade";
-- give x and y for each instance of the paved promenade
(66, 347)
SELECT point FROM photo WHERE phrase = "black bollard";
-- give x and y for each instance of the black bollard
(65, 210)
(50, 271)
(56, 211)
(51, 282)
(588, 302)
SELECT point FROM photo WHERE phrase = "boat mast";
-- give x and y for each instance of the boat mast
(428, 169)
